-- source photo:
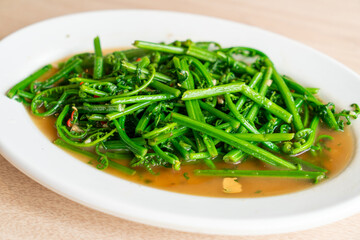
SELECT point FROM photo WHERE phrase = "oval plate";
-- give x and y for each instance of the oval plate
(27, 149)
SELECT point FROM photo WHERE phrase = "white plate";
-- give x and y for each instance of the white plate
(27, 149)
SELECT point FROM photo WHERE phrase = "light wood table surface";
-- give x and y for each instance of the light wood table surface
(30, 211)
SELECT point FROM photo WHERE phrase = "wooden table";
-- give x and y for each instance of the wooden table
(30, 211)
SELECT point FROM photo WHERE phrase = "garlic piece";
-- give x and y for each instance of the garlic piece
(76, 128)
(269, 82)
(220, 99)
(231, 185)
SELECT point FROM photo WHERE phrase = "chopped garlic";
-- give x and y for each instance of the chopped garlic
(220, 99)
(76, 128)
(230, 185)
(269, 82)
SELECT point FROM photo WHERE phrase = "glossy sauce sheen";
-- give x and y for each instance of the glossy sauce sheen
(335, 160)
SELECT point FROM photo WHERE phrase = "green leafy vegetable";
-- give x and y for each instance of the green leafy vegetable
(164, 105)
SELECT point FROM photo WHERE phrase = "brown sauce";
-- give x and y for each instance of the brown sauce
(334, 160)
